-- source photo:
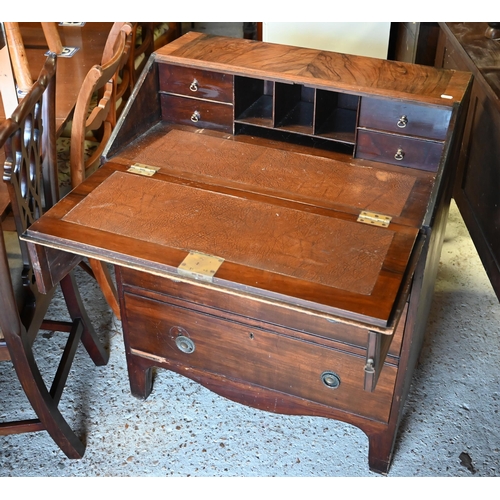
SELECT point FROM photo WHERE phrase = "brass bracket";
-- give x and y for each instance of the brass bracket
(374, 219)
(200, 266)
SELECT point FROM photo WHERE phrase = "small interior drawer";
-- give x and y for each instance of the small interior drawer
(404, 118)
(399, 150)
(201, 114)
(196, 83)
(184, 337)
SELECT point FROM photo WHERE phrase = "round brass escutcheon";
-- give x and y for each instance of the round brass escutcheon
(195, 117)
(330, 379)
(402, 122)
(400, 154)
(185, 344)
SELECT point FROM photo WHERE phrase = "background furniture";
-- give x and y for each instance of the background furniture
(28, 137)
(89, 40)
(464, 46)
(276, 235)
(91, 129)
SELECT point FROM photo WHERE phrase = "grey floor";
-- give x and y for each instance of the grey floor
(450, 424)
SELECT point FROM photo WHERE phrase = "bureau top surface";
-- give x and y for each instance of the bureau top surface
(290, 236)
(319, 68)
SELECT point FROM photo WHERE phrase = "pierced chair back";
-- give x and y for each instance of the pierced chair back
(30, 173)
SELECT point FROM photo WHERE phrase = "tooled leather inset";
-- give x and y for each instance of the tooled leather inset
(295, 243)
(324, 181)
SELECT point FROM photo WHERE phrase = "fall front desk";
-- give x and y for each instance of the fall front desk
(275, 216)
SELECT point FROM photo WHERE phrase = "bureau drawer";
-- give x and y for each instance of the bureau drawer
(196, 83)
(399, 150)
(181, 337)
(404, 118)
(201, 114)
(269, 316)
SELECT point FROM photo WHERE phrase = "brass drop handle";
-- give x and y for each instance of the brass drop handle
(195, 117)
(400, 154)
(369, 368)
(194, 86)
(330, 379)
(185, 344)
(403, 121)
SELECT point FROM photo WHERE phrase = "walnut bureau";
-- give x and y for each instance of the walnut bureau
(275, 217)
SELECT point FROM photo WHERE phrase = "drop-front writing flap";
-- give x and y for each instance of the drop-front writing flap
(320, 259)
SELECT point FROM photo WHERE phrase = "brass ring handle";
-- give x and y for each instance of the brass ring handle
(194, 86)
(402, 122)
(185, 344)
(400, 154)
(330, 379)
(195, 117)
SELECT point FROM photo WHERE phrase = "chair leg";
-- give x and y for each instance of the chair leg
(76, 310)
(105, 281)
(45, 406)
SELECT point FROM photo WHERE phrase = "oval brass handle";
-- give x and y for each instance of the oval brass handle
(400, 154)
(403, 121)
(330, 379)
(194, 86)
(195, 117)
(185, 344)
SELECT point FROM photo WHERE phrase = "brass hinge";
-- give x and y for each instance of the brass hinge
(374, 219)
(200, 266)
(141, 169)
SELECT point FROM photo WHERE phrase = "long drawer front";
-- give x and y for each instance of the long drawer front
(174, 335)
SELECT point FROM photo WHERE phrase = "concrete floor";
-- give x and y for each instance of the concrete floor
(449, 427)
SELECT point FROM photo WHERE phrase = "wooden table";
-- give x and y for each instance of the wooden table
(90, 40)
(275, 215)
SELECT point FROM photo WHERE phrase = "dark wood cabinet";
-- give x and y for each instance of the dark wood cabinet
(275, 215)
(465, 46)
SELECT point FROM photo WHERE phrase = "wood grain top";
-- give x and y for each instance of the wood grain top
(323, 69)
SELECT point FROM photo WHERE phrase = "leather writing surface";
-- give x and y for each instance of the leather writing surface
(322, 180)
(308, 246)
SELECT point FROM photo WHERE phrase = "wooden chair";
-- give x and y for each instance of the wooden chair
(29, 145)
(99, 121)
(93, 121)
